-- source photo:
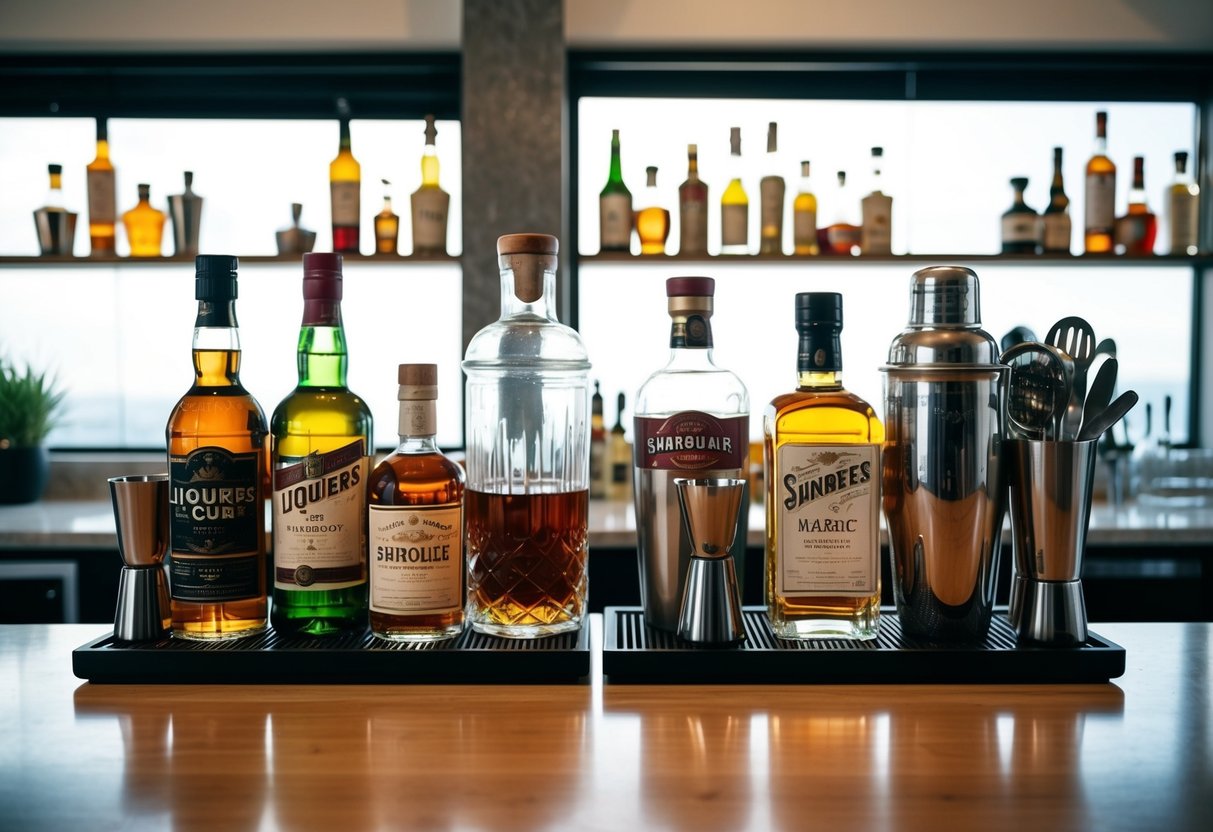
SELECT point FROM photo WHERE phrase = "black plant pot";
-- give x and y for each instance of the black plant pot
(23, 474)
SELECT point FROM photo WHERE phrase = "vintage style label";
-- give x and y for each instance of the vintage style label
(1184, 224)
(877, 233)
(416, 556)
(215, 525)
(347, 202)
(319, 512)
(804, 228)
(102, 202)
(430, 206)
(1020, 228)
(829, 527)
(734, 225)
(1056, 232)
(1101, 201)
(771, 191)
(692, 440)
(615, 221)
(693, 235)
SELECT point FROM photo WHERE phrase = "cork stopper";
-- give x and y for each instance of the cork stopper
(528, 256)
(418, 382)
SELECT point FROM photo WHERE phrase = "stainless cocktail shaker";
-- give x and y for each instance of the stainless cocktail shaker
(945, 393)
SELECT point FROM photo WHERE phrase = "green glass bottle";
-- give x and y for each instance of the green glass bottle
(615, 206)
(320, 454)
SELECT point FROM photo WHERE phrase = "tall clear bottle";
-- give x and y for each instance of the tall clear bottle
(320, 454)
(692, 418)
(693, 208)
(822, 474)
(734, 204)
(615, 206)
(418, 570)
(528, 455)
(430, 204)
(771, 194)
(217, 476)
(876, 235)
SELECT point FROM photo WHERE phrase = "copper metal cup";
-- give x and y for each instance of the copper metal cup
(711, 599)
(141, 519)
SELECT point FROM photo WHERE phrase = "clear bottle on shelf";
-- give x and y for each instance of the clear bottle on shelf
(877, 213)
(843, 236)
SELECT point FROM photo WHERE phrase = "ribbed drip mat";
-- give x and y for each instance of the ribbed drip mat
(356, 658)
(636, 652)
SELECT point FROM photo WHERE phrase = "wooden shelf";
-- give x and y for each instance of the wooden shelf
(370, 259)
(1098, 260)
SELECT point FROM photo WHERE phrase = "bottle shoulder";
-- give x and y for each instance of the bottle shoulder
(708, 388)
(823, 415)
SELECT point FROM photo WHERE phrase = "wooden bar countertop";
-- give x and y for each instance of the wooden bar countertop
(1134, 754)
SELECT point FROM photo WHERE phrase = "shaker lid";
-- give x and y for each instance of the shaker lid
(945, 322)
(527, 244)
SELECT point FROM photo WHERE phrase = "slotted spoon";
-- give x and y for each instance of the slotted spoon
(1076, 338)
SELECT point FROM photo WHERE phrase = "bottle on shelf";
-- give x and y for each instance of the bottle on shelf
(771, 191)
(620, 456)
(144, 226)
(528, 455)
(418, 582)
(56, 226)
(652, 221)
(876, 236)
(345, 189)
(1021, 226)
(1100, 209)
(615, 206)
(387, 224)
(804, 216)
(842, 236)
(218, 474)
(598, 446)
(1056, 230)
(691, 419)
(693, 208)
(734, 204)
(102, 196)
(822, 474)
(185, 216)
(320, 456)
(1183, 208)
(1138, 226)
(295, 239)
(430, 204)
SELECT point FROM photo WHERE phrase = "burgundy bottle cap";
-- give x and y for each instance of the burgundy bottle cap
(694, 287)
(322, 276)
(527, 244)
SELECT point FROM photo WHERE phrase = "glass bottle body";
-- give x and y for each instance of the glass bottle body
(429, 203)
(1183, 209)
(843, 236)
(615, 206)
(1137, 229)
(387, 229)
(1055, 221)
(345, 192)
(1021, 226)
(102, 196)
(804, 216)
(652, 221)
(1100, 219)
(144, 226)
(693, 209)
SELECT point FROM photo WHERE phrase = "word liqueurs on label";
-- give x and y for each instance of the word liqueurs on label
(318, 511)
(215, 502)
(692, 440)
(829, 502)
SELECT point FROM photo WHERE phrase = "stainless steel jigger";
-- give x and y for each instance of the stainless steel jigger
(1050, 510)
(141, 517)
(711, 601)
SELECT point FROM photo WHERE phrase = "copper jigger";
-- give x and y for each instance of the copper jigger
(711, 600)
(141, 518)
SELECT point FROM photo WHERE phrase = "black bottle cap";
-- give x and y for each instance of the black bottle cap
(54, 169)
(819, 308)
(215, 277)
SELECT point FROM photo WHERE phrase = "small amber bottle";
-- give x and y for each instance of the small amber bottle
(387, 224)
(144, 226)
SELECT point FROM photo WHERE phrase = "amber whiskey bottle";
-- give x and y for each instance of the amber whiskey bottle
(821, 467)
(417, 563)
(102, 197)
(345, 190)
(217, 476)
(320, 456)
(652, 221)
(144, 226)
(1100, 209)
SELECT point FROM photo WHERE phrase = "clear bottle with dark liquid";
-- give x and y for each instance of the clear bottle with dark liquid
(528, 455)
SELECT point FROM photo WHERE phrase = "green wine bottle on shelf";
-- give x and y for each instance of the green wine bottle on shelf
(615, 206)
(320, 451)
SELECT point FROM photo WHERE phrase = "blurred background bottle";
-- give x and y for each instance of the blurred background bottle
(430, 204)
(734, 203)
(693, 208)
(345, 189)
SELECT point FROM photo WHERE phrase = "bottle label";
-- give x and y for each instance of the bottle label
(319, 511)
(1131, 233)
(692, 440)
(876, 236)
(804, 228)
(734, 225)
(693, 236)
(1020, 228)
(216, 525)
(1057, 232)
(1183, 205)
(347, 201)
(771, 192)
(416, 555)
(1101, 201)
(430, 206)
(615, 221)
(102, 201)
(598, 473)
(829, 525)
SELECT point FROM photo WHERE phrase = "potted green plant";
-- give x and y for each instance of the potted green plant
(30, 406)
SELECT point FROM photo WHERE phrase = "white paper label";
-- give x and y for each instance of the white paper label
(430, 207)
(346, 202)
(734, 225)
(102, 203)
(416, 556)
(829, 531)
(1101, 201)
(615, 221)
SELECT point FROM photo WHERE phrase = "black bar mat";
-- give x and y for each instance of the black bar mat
(361, 658)
(635, 652)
